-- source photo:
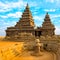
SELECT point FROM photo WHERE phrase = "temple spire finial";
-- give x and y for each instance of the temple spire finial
(47, 13)
(27, 6)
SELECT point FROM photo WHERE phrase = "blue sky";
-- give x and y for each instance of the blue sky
(11, 11)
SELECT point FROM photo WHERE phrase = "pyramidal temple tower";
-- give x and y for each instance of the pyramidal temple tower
(26, 22)
(47, 26)
(24, 25)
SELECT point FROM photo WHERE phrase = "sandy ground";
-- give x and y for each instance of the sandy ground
(45, 56)
(8, 54)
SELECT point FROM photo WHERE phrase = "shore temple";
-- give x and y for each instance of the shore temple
(26, 25)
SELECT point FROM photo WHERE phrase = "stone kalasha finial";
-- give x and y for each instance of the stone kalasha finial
(47, 13)
(27, 6)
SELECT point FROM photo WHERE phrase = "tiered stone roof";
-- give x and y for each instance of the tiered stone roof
(47, 24)
(26, 21)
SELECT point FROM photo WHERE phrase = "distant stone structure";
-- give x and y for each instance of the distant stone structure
(26, 25)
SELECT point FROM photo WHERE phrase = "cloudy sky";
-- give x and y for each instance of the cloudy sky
(11, 11)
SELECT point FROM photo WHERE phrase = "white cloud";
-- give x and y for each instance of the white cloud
(7, 6)
(52, 1)
(35, 4)
(1, 20)
(55, 16)
(2, 33)
(3, 16)
(38, 18)
(57, 31)
(10, 5)
(49, 10)
(18, 4)
(13, 15)
(4, 7)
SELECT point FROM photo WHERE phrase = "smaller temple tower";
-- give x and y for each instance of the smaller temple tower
(47, 26)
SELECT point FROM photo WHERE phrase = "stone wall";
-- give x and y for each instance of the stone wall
(21, 37)
(50, 45)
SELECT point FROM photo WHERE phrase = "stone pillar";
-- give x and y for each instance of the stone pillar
(37, 34)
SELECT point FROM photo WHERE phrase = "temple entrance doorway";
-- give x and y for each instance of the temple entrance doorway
(38, 33)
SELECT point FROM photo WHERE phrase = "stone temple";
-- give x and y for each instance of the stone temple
(26, 25)
(25, 31)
